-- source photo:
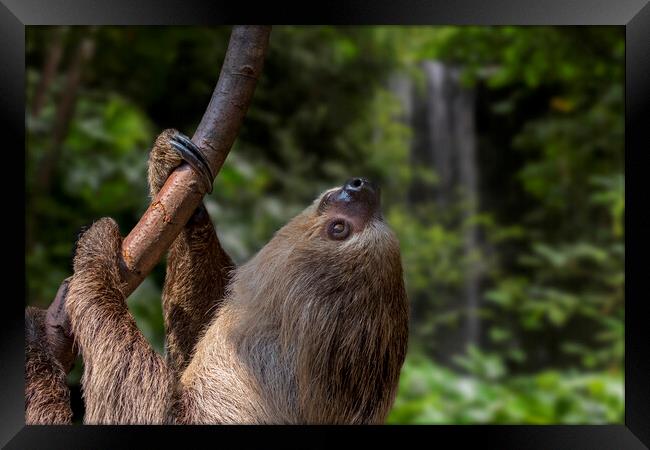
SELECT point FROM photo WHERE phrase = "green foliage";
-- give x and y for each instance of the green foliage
(103, 159)
(432, 394)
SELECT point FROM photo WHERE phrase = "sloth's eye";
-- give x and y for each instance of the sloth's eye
(338, 229)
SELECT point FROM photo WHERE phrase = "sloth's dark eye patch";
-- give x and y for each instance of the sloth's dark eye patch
(338, 229)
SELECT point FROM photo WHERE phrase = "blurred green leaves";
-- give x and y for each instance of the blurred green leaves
(431, 394)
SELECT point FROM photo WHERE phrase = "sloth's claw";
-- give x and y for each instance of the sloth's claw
(192, 155)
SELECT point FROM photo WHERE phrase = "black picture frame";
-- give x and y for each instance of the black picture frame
(634, 15)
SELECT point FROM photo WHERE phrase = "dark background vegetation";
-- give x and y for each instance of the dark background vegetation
(513, 251)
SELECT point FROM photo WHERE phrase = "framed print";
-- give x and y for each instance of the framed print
(398, 223)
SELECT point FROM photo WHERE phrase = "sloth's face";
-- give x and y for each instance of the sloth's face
(349, 209)
(339, 249)
(342, 222)
(343, 231)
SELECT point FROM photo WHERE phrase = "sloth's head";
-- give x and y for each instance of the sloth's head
(344, 226)
(338, 253)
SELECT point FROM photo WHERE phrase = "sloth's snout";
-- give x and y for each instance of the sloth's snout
(358, 199)
(361, 190)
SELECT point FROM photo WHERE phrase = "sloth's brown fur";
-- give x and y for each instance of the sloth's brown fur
(47, 397)
(311, 330)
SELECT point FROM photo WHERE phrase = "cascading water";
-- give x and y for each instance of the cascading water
(444, 139)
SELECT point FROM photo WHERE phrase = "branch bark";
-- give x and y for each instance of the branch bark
(183, 190)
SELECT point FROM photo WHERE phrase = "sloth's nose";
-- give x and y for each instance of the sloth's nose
(358, 198)
(361, 191)
(360, 184)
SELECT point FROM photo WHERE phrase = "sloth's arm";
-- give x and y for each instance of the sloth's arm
(124, 381)
(47, 397)
(198, 269)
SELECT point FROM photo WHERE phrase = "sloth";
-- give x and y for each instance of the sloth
(312, 330)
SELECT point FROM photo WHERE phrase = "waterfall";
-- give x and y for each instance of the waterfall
(444, 139)
(464, 133)
(438, 100)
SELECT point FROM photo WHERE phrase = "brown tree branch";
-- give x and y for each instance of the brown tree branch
(182, 193)
(183, 190)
